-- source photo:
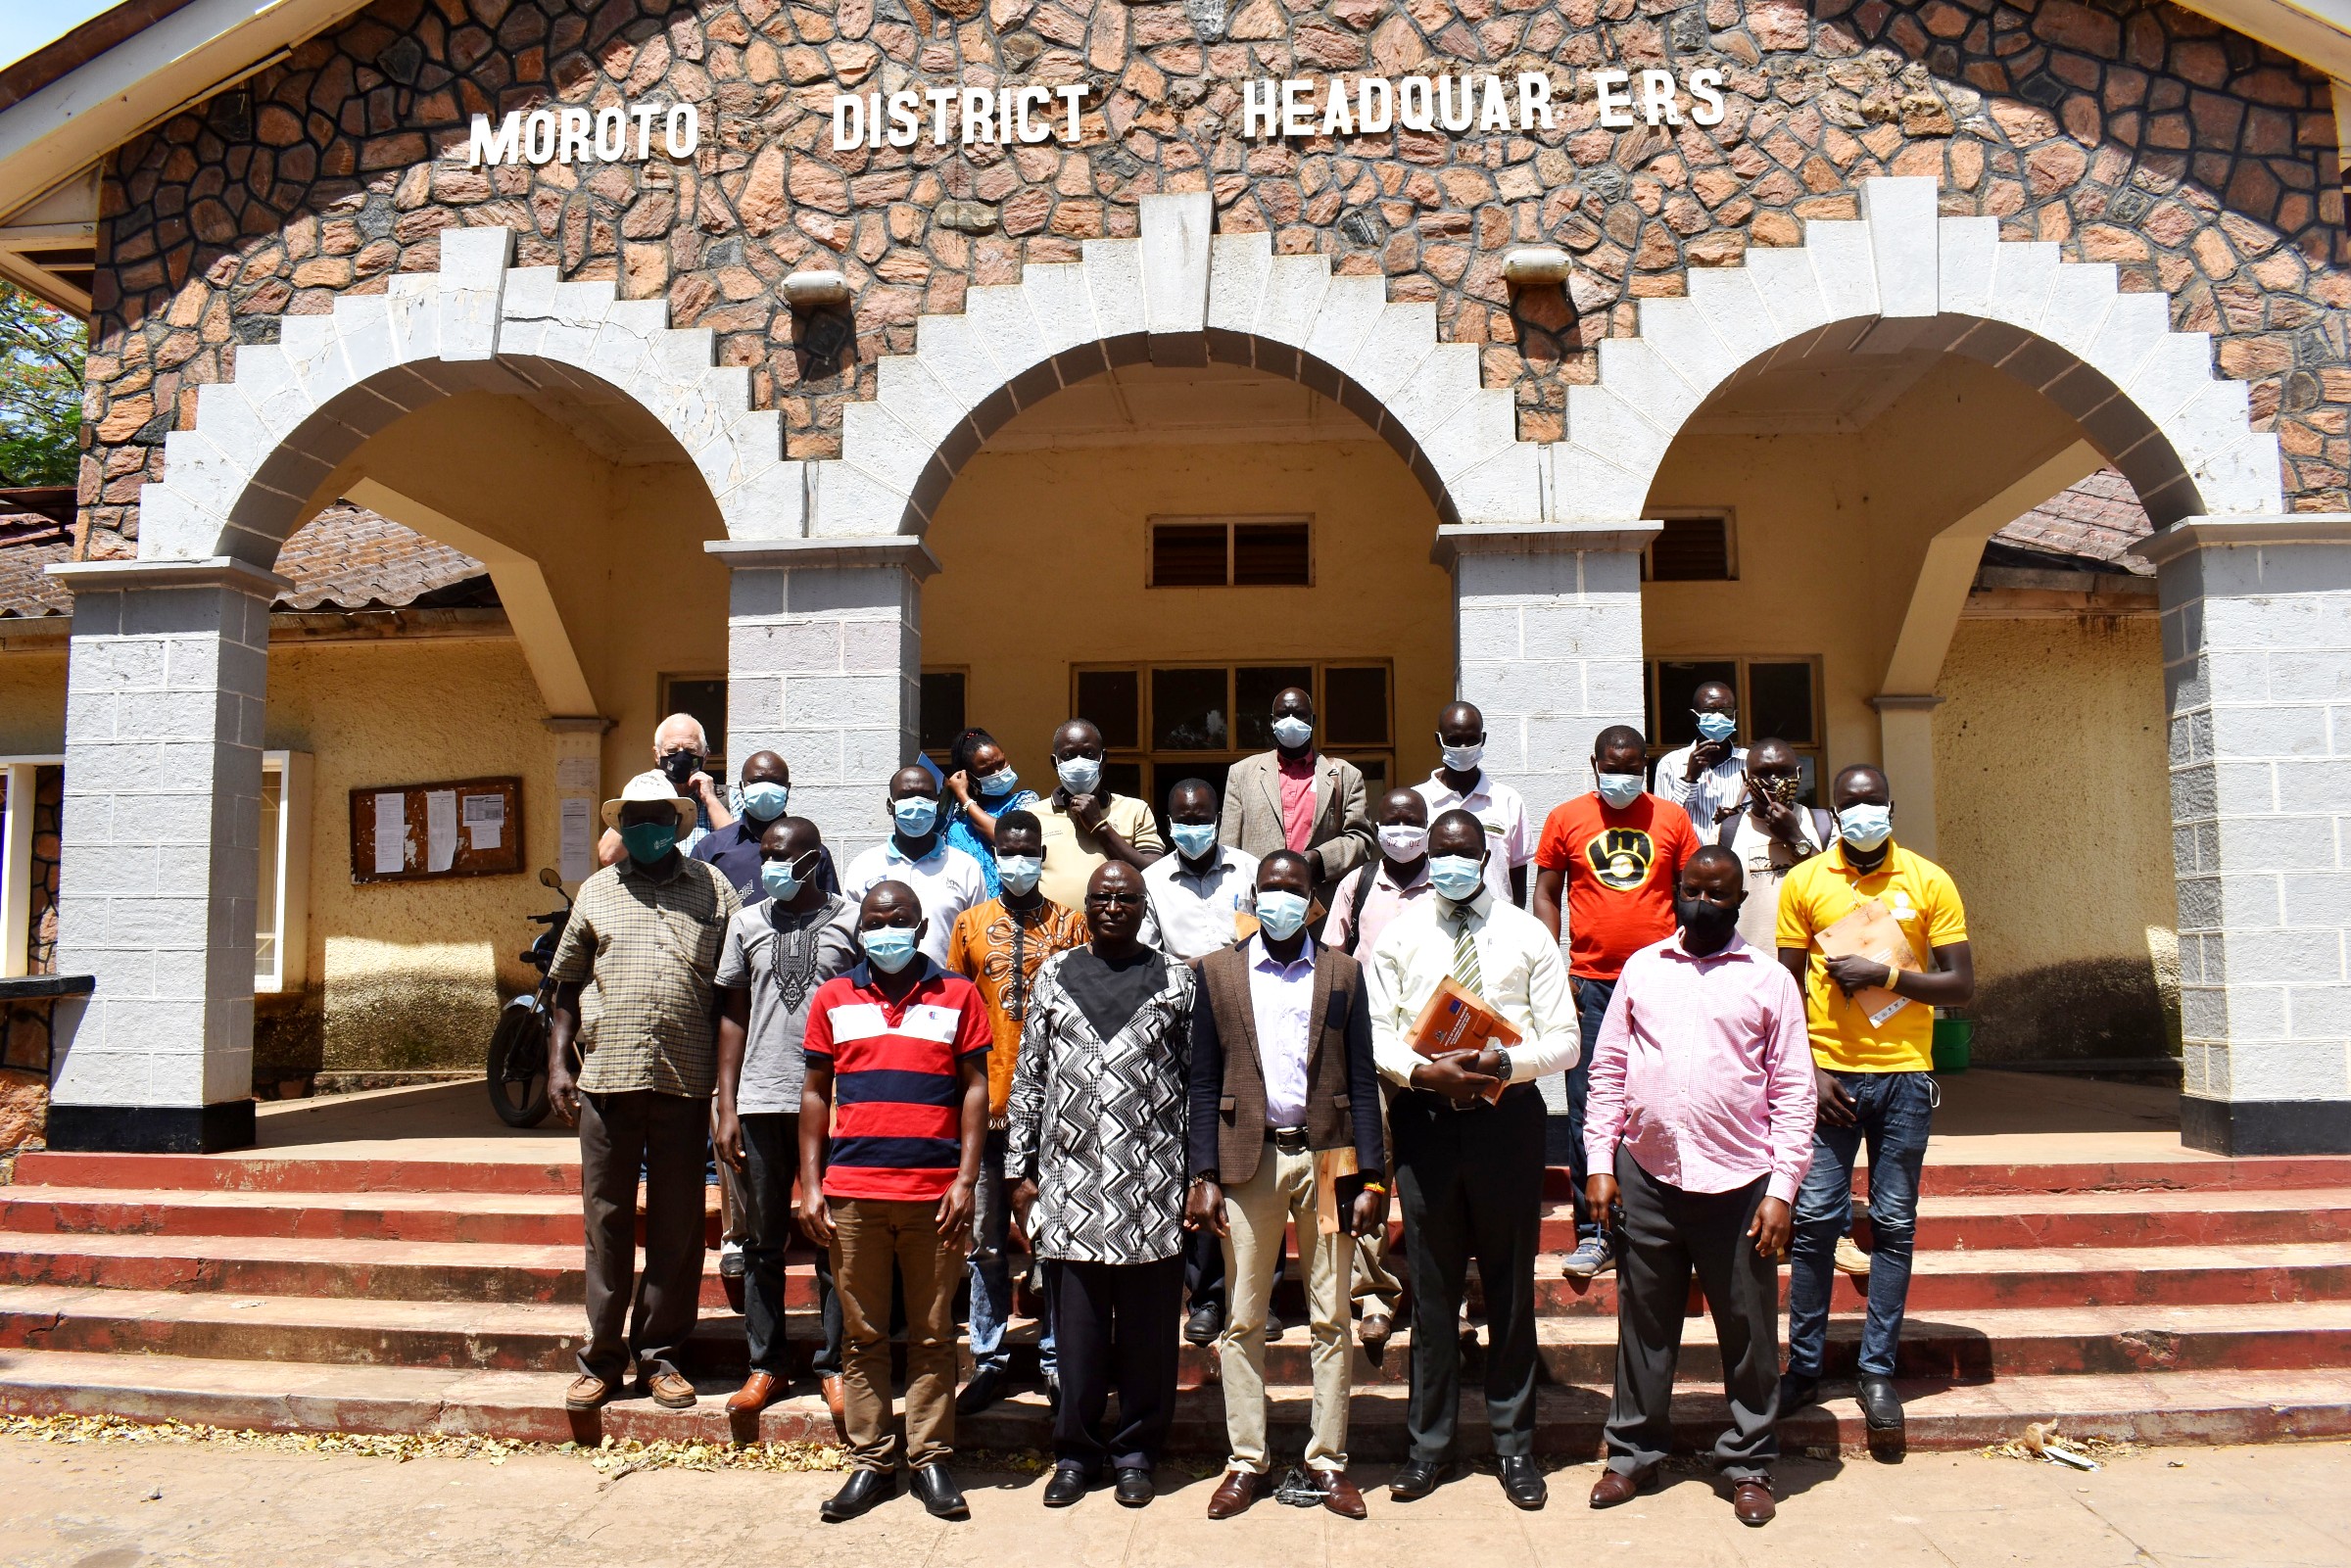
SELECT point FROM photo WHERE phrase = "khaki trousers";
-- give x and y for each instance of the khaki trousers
(1283, 1191)
(869, 1234)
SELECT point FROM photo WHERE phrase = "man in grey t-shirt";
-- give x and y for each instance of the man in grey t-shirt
(774, 955)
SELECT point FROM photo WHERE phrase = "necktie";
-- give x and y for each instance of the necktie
(1464, 955)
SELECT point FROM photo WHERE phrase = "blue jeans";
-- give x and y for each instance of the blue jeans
(991, 1268)
(1893, 1111)
(1591, 1005)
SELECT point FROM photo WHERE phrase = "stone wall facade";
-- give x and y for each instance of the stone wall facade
(2130, 132)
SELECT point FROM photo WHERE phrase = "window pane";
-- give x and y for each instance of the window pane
(1187, 710)
(1374, 769)
(1123, 778)
(265, 942)
(1692, 550)
(942, 708)
(1254, 688)
(1188, 555)
(1354, 705)
(1677, 683)
(1112, 701)
(1779, 703)
(1270, 554)
(706, 701)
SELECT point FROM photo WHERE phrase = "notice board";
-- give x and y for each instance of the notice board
(421, 833)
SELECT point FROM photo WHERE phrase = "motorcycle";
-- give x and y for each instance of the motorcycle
(517, 1066)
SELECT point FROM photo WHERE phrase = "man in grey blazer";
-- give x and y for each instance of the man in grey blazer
(1293, 798)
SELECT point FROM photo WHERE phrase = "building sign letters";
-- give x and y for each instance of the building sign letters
(573, 134)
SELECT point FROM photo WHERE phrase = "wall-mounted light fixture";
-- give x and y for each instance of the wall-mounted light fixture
(809, 290)
(1535, 265)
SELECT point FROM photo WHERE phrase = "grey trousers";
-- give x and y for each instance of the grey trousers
(670, 1136)
(1666, 1234)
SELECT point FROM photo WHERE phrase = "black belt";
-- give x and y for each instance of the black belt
(1474, 1102)
(1289, 1140)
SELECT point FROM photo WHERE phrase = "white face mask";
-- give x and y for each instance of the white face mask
(1079, 774)
(1402, 843)
(1464, 759)
(1292, 730)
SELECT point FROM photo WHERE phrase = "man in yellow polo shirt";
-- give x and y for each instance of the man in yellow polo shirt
(1874, 1058)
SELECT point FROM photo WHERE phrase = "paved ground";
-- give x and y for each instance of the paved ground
(122, 1506)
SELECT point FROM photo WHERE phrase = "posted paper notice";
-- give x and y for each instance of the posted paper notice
(485, 821)
(439, 829)
(391, 833)
(578, 818)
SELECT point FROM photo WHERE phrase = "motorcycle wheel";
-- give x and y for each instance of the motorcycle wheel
(518, 1067)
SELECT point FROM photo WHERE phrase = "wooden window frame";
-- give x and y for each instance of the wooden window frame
(1232, 523)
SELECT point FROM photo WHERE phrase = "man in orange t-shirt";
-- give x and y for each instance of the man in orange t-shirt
(1618, 854)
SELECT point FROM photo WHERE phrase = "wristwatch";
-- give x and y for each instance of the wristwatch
(1504, 1057)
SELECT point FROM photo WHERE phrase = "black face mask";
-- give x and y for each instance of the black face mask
(680, 765)
(1706, 926)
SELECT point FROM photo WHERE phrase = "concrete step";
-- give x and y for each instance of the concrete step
(555, 1170)
(2146, 1407)
(1967, 1346)
(1941, 1281)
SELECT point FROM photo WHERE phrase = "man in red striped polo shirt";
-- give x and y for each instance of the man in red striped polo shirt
(897, 1069)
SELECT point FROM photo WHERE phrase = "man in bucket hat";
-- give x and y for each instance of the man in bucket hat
(646, 929)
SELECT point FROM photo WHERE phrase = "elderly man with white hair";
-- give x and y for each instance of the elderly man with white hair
(681, 751)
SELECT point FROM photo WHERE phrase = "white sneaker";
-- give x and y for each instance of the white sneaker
(1851, 1259)
(1592, 1256)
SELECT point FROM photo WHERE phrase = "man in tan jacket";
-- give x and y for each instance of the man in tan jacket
(1293, 798)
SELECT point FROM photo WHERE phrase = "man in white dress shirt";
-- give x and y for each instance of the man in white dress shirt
(1468, 1170)
(1463, 782)
(1197, 889)
(1708, 779)
(947, 881)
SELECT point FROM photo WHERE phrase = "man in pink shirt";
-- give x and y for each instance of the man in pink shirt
(1298, 797)
(1702, 1104)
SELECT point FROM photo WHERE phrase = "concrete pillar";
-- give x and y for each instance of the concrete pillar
(824, 666)
(1546, 643)
(160, 871)
(2257, 671)
(1907, 742)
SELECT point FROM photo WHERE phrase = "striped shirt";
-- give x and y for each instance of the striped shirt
(898, 1094)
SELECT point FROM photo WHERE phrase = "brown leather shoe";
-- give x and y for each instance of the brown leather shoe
(1752, 1502)
(1373, 1331)
(757, 1392)
(1620, 1485)
(670, 1391)
(1340, 1494)
(1238, 1491)
(587, 1393)
(829, 1386)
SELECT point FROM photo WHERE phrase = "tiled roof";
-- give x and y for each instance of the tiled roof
(346, 558)
(2083, 528)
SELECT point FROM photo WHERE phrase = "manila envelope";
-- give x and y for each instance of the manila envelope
(1870, 933)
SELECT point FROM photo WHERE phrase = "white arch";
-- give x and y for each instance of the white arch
(1901, 277)
(236, 483)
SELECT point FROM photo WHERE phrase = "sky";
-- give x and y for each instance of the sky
(27, 25)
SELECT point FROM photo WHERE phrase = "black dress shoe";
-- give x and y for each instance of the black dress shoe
(940, 1494)
(1205, 1324)
(1797, 1390)
(1134, 1487)
(864, 1490)
(1053, 1391)
(1417, 1479)
(1068, 1484)
(984, 1389)
(1522, 1482)
(1881, 1406)
(1273, 1328)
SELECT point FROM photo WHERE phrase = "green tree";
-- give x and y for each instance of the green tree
(41, 354)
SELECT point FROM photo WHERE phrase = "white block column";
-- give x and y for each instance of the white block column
(824, 666)
(1546, 643)
(2257, 671)
(160, 871)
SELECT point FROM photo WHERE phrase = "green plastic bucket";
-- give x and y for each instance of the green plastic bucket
(1954, 1042)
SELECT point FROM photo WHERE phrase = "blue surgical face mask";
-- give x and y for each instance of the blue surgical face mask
(1003, 782)
(648, 842)
(915, 814)
(1193, 839)
(1281, 912)
(1293, 731)
(889, 948)
(1456, 878)
(1866, 826)
(776, 876)
(763, 801)
(1620, 789)
(1716, 726)
(1018, 872)
(1079, 774)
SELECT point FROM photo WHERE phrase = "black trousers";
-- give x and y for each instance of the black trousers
(639, 1320)
(771, 1157)
(1113, 1326)
(1666, 1234)
(1471, 1183)
(1203, 1270)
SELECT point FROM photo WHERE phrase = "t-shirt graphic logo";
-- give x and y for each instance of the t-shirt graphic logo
(1620, 857)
